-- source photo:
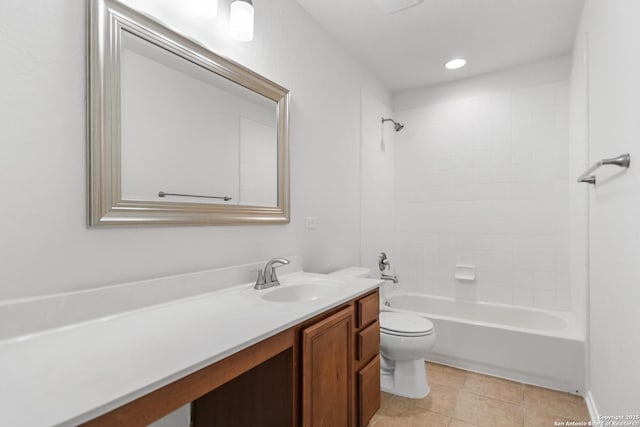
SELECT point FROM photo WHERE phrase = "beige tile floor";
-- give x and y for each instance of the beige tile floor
(465, 399)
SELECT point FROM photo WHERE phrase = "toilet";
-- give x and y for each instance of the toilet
(405, 341)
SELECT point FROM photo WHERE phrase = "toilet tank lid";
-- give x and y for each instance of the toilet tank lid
(352, 272)
(404, 322)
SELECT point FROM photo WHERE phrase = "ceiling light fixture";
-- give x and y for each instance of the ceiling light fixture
(204, 8)
(454, 64)
(241, 20)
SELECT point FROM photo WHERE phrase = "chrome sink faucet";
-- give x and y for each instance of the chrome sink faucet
(268, 278)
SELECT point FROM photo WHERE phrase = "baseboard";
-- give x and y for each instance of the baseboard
(591, 406)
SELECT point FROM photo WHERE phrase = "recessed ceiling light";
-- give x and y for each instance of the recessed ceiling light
(455, 64)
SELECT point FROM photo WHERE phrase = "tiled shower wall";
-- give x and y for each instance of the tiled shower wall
(377, 181)
(484, 181)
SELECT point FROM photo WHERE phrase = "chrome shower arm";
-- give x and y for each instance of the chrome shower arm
(396, 125)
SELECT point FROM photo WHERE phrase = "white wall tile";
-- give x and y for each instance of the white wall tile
(410, 262)
(523, 297)
(488, 180)
(523, 279)
(465, 291)
(497, 294)
(377, 215)
(550, 300)
(544, 280)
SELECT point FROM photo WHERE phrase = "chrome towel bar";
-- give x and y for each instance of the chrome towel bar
(163, 194)
(623, 161)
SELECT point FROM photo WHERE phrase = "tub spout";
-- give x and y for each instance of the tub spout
(393, 278)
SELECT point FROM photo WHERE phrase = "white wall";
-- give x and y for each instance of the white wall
(46, 246)
(578, 193)
(612, 30)
(481, 179)
(258, 163)
(378, 207)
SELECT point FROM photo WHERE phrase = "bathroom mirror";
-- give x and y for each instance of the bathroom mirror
(179, 135)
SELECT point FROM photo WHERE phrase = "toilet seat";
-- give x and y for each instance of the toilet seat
(404, 324)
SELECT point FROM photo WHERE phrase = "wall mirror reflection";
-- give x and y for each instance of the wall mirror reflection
(180, 135)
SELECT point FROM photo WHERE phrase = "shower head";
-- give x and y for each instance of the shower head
(396, 125)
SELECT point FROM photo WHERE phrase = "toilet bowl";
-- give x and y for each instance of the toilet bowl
(405, 340)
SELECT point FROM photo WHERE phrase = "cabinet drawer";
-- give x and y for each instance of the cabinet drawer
(368, 391)
(368, 309)
(369, 341)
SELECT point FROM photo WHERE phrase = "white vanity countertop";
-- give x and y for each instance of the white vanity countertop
(72, 374)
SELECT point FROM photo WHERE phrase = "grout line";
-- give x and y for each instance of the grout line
(493, 398)
(458, 392)
(455, 407)
(520, 403)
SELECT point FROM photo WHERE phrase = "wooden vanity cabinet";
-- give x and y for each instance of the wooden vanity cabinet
(324, 372)
(340, 362)
(262, 396)
(240, 382)
(366, 359)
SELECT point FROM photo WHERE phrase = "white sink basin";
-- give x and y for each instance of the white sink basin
(300, 293)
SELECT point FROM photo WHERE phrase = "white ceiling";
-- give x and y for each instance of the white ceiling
(408, 49)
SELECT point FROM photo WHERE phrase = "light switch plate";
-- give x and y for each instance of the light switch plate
(311, 222)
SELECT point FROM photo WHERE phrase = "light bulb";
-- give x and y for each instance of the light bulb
(241, 20)
(455, 64)
(204, 8)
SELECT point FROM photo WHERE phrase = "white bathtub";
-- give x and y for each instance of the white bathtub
(538, 347)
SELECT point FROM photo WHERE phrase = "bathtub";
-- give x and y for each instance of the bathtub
(539, 347)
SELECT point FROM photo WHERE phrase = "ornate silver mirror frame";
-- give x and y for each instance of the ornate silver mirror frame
(108, 19)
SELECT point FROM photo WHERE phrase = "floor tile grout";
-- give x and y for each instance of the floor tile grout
(493, 387)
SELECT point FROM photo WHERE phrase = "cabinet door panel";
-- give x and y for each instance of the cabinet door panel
(326, 368)
(369, 391)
